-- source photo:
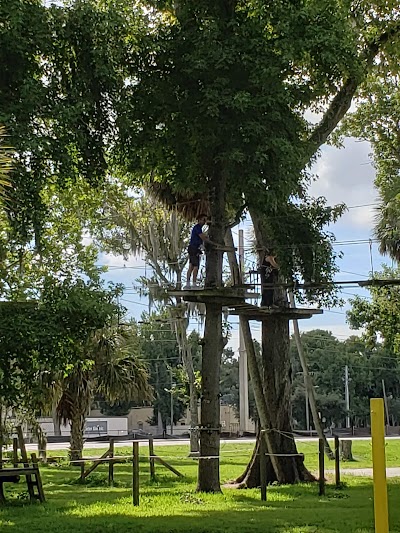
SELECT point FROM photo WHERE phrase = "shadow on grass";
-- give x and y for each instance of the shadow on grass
(289, 509)
(196, 513)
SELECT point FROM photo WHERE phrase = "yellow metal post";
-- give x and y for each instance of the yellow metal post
(379, 466)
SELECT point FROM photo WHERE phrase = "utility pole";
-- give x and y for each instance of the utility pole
(347, 395)
(172, 405)
(386, 403)
(243, 372)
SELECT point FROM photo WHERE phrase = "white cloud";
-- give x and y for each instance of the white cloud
(86, 240)
(341, 331)
(118, 261)
(346, 175)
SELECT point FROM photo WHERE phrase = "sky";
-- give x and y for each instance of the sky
(344, 175)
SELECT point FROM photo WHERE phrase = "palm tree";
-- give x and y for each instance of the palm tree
(111, 367)
(387, 227)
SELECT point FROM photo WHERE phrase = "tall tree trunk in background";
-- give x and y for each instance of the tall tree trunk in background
(56, 422)
(73, 407)
(77, 423)
(180, 321)
(41, 436)
(208, 475)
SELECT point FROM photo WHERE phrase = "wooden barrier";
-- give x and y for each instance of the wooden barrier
(263, 469)
(321, 463)
(95, 464)
(29, 470)
(151, 460)
(111, 463)
(337, 462)
(135, 473)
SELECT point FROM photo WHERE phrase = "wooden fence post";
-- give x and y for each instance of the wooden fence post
(151, 460)
(2, 496)
(111, 463)
(15, 452)
(25, 460)
(263, 468)
(135, 473)
(321, 463)
(337, 461)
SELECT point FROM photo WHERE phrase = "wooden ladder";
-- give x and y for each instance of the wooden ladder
(33, 478)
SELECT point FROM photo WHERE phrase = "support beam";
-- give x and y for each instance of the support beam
(243, 371)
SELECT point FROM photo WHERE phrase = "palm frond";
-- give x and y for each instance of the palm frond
(119, 373)
(76, 395)
(387, 228)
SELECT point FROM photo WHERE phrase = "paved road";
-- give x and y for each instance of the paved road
(366, 472)
(176, 442)
(361, 472)
(158, 442)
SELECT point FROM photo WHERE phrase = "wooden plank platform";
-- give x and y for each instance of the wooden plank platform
(253, 312)
(218, 295)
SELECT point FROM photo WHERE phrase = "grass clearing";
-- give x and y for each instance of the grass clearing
(171, 504)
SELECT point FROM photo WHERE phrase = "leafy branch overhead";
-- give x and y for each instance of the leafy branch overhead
(49, 335)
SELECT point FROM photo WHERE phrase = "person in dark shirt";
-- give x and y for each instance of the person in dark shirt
(197, 238)
(268, 271)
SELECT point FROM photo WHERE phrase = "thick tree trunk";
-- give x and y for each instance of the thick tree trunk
(208, 480)
(345, 450)
(284, 464)
(271, 383)
(277, 374)
(77, 423)
(208, 475)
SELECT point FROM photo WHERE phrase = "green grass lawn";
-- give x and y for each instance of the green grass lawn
(171, 505)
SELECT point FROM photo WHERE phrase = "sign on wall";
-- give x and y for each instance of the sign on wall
(96, 427)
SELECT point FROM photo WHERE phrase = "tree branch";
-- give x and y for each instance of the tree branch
(342, 101)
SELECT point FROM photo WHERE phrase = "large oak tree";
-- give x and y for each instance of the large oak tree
(216, 110)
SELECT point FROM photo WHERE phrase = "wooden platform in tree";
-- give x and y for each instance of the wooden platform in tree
(218, 295)
(253, 312)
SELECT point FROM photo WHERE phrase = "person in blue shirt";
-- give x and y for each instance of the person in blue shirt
(197, 238)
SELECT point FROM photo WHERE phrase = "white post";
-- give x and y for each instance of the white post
(243, 372)
(172, 404)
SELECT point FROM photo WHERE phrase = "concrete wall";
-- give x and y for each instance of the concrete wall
(95, 426)
(137, 419)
